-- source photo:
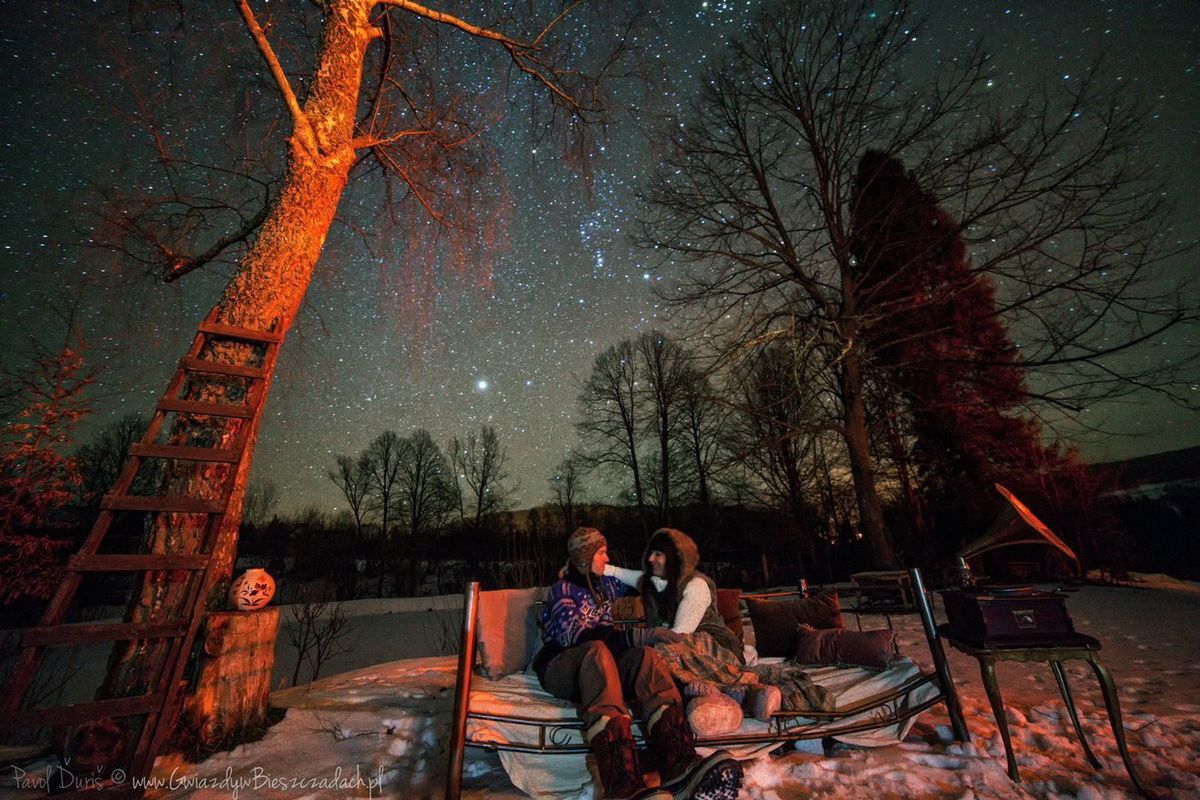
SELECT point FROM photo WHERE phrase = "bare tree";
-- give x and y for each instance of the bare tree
(479, 462)
(261, 500)
(353, 478)
(385, 455)
(427, 492)
(316, 630)
(776, 427)
(610, 423)
(101, 459)
(754, 207)
(664, 368)
(646, 416)
(703, 419)
(565, 486)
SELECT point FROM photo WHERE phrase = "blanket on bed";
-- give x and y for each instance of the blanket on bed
(800, 692)
(699, 659)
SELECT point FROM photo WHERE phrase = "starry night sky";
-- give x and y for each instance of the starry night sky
(566, 285)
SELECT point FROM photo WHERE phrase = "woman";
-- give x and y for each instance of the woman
(586, 660)
(678, 596)
(674, 593)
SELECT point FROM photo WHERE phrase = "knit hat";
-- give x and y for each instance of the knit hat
(582, 546)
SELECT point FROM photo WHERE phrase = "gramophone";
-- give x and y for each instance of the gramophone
(1009, 616)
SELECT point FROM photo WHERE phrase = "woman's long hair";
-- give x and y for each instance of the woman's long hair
(661, 605)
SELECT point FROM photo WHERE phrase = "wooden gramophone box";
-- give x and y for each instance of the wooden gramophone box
(1009, 616)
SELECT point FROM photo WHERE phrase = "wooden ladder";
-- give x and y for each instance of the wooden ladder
(178, 622)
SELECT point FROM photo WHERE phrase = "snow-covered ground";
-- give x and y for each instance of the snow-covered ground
(382, 730)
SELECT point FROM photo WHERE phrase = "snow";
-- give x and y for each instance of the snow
(382, 730)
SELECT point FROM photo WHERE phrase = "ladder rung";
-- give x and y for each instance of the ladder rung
(26, 718)
(211, 409)
(137, 562)
(214, 454)
(179, 505)
(91, 632)
(217, 368)
(234, 332)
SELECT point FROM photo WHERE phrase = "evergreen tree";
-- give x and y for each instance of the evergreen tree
(933, 328)
(37, 479)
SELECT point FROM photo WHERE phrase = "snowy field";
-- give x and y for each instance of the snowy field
(382, 730)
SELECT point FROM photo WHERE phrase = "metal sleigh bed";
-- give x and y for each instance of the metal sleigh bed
(557, 736)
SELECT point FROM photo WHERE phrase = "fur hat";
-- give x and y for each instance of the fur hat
(685, 550)
(582, 546)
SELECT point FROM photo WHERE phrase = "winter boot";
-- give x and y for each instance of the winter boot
(762, 700)
(684, 773)
(617, 762)
(671, 740)
(717, 777)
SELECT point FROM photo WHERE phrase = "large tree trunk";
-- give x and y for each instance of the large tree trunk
(862, 467)
(267, 289)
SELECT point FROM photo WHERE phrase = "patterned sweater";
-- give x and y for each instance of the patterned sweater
(573, 616)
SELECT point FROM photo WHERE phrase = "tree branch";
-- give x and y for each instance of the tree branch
(303, 129)
(179, 266)
(454, 22)
(522, 53)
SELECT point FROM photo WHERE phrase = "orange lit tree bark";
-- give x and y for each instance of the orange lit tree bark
(332, 129)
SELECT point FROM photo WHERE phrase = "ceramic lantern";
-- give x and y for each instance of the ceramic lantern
(253, 589)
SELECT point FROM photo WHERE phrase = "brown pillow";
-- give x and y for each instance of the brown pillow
(729, 606)
(874, 649)
(775, 621)
(507, 630)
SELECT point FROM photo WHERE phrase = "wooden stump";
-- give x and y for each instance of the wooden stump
(229, 702)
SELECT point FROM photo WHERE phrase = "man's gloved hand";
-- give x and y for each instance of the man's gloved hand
(647, 636)
(666, 635)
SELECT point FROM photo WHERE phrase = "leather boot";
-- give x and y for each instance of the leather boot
(684, 773)
(672, 741)
(617, 763)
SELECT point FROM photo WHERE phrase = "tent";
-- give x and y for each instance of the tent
(1015, 525)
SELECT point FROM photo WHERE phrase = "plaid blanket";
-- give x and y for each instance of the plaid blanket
(800, 693)
(698, 658)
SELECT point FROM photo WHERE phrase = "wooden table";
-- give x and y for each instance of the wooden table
(1070, 646)
(883, 591)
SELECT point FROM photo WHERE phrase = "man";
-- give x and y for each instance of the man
(587, 660)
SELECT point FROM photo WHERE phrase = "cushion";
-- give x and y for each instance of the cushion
(714, 715)
(833, 647)
(729, 606)
(775, 621)
(506, 630)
